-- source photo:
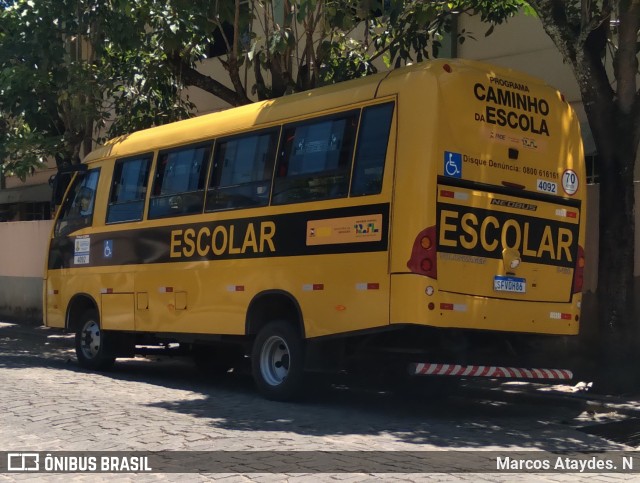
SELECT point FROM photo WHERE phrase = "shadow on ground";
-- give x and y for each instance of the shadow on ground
(461, 418)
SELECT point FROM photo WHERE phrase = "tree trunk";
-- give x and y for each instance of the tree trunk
(611, 118)
(618, 327)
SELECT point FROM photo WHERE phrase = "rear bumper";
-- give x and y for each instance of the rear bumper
(495, 372)
(412, 304)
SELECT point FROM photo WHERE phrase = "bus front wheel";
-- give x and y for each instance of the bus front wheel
(277, 361)
(91, 350)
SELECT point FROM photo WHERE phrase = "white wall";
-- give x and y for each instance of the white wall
(520, 44)
(22, 254)
(22, 248)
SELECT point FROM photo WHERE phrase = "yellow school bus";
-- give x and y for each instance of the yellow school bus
(429, 219)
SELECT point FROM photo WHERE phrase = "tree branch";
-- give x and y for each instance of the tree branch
(261, 88)
(233, 66)
(192, 77)
(553, 15)
(590, 22)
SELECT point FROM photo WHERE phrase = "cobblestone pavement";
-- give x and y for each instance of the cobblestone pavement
(48, 403)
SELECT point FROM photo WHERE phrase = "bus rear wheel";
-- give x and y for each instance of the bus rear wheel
(277, 361)
(91, 349)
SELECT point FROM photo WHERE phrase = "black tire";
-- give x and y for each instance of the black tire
(277, 361)
(91, 343)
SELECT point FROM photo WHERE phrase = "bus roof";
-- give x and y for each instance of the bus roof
(240, 118)
(237, 119)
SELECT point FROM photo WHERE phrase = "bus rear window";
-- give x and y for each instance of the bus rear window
(373, 139)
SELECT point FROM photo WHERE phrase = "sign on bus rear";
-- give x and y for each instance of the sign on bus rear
(507, 246)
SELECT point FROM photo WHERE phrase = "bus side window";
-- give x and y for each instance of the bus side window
(130, 178)
(242, 171)
(372, 150)
(315, 159)
(77, 209)
(178, 186)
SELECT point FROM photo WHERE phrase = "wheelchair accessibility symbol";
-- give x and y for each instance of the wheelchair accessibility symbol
(453, 164)
(108, 248)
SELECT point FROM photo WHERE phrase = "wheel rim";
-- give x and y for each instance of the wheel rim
(275, 359)
(90, 339)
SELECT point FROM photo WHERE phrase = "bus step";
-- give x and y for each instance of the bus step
(434, 369)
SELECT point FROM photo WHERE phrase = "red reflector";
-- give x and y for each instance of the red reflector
(565, 316)
(318, 286)
(373, 286)
(423, 254)
(168, 289)
(578, 273)
(446, 306)
(572, 214)
(55, 292)
(239, 288)
(446, 194)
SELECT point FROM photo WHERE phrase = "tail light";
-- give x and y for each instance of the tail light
(578, 273)
(423, 255)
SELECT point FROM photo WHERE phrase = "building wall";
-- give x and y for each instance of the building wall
(522, 44)
(22, 255)
(41, 176)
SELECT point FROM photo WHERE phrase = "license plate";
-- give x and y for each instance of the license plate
(509, 284)
(81, 260)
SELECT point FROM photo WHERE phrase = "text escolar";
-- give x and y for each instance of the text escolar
(223, 240)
